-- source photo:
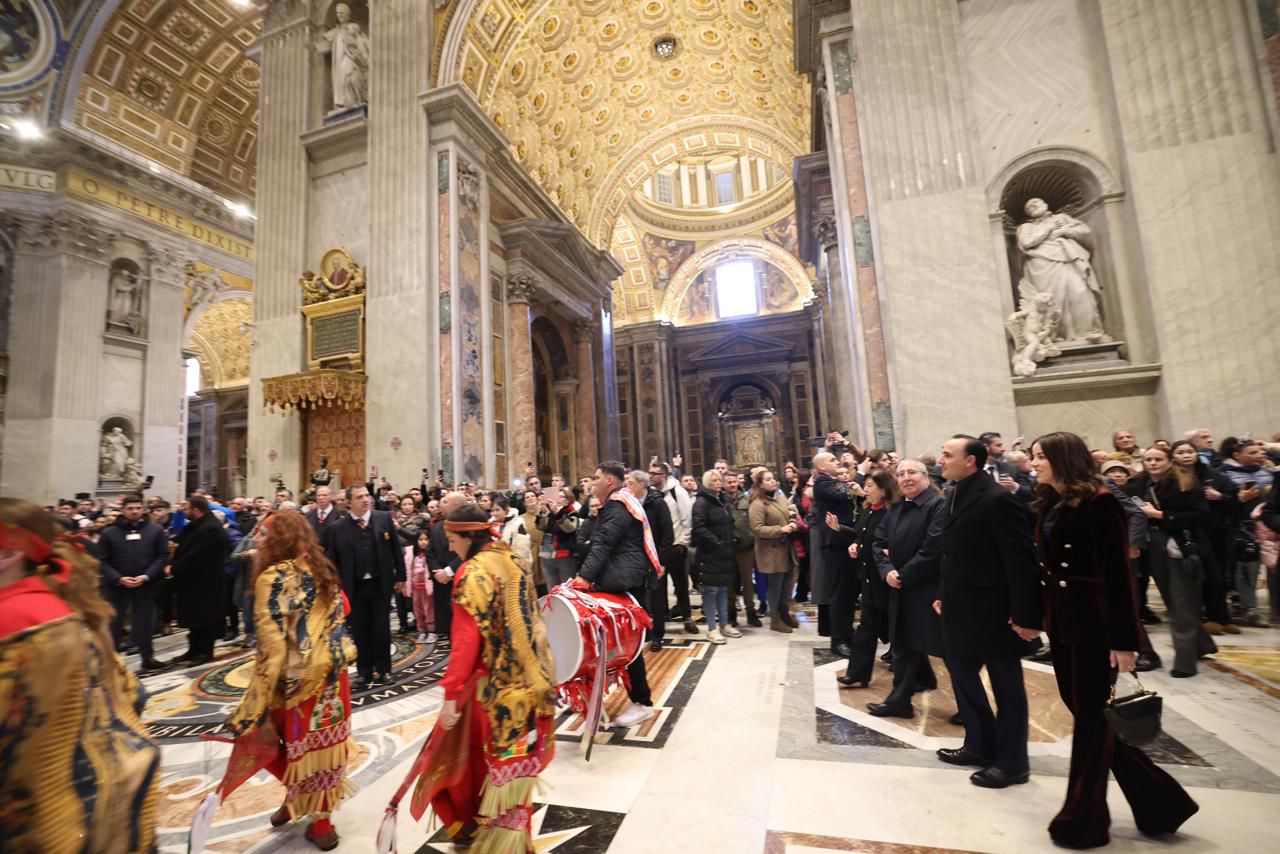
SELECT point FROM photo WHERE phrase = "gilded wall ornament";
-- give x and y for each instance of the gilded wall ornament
(339, 276)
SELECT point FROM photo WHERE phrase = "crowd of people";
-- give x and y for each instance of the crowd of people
(973, 556)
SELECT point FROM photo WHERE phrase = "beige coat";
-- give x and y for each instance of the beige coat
(773, 546)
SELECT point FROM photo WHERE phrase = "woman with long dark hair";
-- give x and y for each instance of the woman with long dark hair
(1219, 493)
(294, 719)
(498, 717)
(80, 773)
(1178, 513)
(881, 490)
(1092, 620)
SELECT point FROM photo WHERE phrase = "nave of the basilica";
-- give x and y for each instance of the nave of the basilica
(449, 279)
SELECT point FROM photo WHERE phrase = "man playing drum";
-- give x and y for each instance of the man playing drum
(621, 558)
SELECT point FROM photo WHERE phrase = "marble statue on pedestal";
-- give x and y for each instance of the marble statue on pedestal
(1031, 328)
(1056, 257)
(348, 48)
(115, 454)
(124, 302)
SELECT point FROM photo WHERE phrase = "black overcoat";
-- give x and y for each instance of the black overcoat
(990, 572)
(911, 533)
(198, 574)
(341, 545)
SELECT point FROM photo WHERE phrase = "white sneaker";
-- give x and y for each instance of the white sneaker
(731, 632)
(422, 638)
(431, 637)
(634, 714)
(714, 636)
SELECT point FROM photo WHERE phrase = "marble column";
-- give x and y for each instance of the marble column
(279, 242)
(51, 435)
(584, 334)
(522, 431)
(847, 402)
(926, 231)
(399, 302)
(165, 393)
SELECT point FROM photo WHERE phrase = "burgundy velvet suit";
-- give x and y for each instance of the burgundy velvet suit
(1090, 610)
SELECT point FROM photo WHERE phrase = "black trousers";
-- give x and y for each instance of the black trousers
(404, 611)
(678, 572)
(802, 579)
(200, 640)
(845, 602)
(636, 672)
(863, 644)
(911, 668)
(1158, 802)
(1001, 737)
(371, 628)
(233, 609)
(443, 599)
(140, 604)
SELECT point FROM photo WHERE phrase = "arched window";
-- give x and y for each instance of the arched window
(736, 289)
(193, 377)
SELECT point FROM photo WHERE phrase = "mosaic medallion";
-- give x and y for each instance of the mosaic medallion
(185, 705)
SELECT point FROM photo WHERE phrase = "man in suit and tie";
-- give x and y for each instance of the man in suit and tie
(1004, 471)
(989, 600)
(839, 578)
(325, 513)
(366, 549)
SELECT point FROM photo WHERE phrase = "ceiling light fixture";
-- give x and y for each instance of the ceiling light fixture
(239, 209)
(665, 46)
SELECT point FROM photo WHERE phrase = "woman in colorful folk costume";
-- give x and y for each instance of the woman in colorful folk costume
(77, 770)
(497, 726)
(294, 719)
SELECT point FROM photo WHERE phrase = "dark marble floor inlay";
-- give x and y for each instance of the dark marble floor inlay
(833, 729)
(562, 830)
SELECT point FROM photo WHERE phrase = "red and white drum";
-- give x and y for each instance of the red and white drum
(572, 617)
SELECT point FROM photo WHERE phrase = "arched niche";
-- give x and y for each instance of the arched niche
(780, 279)
(113, 451)
(1073, 181)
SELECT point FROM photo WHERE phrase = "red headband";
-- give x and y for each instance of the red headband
(36, 549)
(466, 527)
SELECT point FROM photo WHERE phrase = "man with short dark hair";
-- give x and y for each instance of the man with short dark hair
(989, 600)
(199, 578)
(366, 550)
(621, 559)
(132, 553)
(1002, 470)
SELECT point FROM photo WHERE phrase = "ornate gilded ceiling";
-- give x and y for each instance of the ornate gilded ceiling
(170, 80)
(586, 103)
(222, 343)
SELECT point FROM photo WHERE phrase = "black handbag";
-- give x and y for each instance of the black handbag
(1135, 718)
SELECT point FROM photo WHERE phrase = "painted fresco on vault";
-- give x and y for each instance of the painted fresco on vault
(19, 34)
(665, 256)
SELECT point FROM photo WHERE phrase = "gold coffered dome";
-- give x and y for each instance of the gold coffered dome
(170, 80)
(592, 108)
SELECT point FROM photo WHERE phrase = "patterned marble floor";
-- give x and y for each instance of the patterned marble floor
(755, 749)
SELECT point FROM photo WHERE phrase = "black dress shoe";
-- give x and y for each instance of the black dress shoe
(887, 657)
(884, 710)
(362, 683)
(996, 778)
(1149, 618)
(1147, 662)
(1043, 655)
(153, 666)
(200, 659)
(690, 628)
(962, 756)
(842, 649)
(380, 679)
(754, 621)
(956, 720)
(655, 646)
(847, 682)
(1180, 674)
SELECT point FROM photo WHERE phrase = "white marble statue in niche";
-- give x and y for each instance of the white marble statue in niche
(124, 300)
(115, 454)
(1056, 261)
(348, 48)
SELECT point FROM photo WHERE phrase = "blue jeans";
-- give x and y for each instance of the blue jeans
(715, 605)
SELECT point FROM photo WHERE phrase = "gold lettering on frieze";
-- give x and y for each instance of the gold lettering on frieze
(22, 178)
(81, 185)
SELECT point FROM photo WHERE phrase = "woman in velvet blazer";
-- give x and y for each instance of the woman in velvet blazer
(1092, 620)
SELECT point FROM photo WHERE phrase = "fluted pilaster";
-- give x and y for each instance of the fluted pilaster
(522, 432)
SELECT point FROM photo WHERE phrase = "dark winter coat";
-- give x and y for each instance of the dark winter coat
(713, 538)
(1086, 578)
(199, 580)
(617, 561)
(122, 557)
(990, 572)
(661, 529)
(912, 534)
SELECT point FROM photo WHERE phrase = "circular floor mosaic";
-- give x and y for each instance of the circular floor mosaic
(187, 704)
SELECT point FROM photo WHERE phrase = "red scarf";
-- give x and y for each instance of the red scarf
(636, 509)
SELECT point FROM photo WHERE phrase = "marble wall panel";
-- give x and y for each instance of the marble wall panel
(337, 216)
(1094, 414)
(468, 307)
(445, 248)
(1036, 77)
(120, 385)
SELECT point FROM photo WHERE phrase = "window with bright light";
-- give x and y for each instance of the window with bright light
(724, 188)
(193, 377)
(736, 289)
